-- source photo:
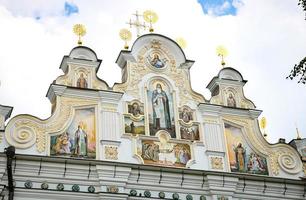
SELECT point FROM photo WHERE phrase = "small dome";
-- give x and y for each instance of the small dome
(230, 73)
(83, 52)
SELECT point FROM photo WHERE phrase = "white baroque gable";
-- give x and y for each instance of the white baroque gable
(152, 118)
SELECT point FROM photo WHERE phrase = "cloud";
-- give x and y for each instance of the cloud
(220, 7)
(264, 38)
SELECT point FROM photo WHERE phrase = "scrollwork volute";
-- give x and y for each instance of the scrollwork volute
(289, 163)
(24, 131)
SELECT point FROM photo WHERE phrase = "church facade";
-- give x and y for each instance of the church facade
(149, 137)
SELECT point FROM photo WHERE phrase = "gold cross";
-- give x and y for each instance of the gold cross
(137, 24)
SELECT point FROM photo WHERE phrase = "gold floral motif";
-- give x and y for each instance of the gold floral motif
(111, 152)
(216, 163)
(304, 168)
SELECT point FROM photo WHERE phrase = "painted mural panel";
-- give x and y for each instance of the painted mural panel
(134, 127)
(186, 114)
(190, 133)
(160, 105)
(242, 158)
(164, 152)
(135, 109)
(79, 140)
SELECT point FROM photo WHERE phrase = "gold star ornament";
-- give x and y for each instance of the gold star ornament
(151, 17)
(80, 31)
(222, 52)
(126, 36)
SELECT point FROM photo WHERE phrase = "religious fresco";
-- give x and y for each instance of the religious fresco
(79, 139)
(231, 102)
(134, 127)
(82, 82)
(163, 152)
(186, 114)
(190, 133)
(156, 61)
(241, 156)
(135, 109)
(160, 108)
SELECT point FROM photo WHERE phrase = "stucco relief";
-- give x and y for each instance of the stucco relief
(216, 163)
(137, 70)
(23, 131)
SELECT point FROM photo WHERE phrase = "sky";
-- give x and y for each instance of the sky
(265, 38)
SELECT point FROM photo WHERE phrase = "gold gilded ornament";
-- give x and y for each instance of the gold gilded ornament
(151, 17)
(263, 125)
(182, 42)
(222, 52)
(126, 36)
(80, 31)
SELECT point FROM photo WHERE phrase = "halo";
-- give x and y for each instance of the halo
(163, 85)
(125, 34)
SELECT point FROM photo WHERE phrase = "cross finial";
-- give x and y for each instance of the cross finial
(222, 52)
(137, 24)
(298, 137)
(79, 30)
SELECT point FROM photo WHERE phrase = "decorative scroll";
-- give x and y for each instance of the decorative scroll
(24, 131)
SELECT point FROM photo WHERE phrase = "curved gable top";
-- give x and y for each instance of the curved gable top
(172, 46)
(230, 73)
(82, 52)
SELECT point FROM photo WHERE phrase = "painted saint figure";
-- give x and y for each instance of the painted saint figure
(135, 109)
(161, 112)
(185, 115)
(157, 62)
(240, 157)
(82, 83)
(80, 142)
(231, 101)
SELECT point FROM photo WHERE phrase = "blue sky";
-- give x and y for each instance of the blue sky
(219, 7)
(70, 8)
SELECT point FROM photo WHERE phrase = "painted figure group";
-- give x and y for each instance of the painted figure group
(76, 146)
(166, 154)
(251, 163)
